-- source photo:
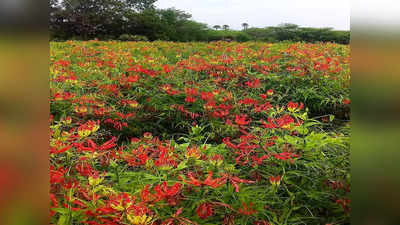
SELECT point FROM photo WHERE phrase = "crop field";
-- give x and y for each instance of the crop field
(168, 133)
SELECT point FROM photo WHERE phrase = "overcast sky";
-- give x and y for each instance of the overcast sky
(262, 13)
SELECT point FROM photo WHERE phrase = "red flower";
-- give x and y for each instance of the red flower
(148, 135)
(166, 192)
(259, 161)
(254, 83)
(190, 99)
(228, 122)
(135, 140)
(164, 157)
(64, 63)
(57, 176)
(262, 107)
(285, 156)
(209, 105)
(235, 181)
(215, 183)
(207, 96)
(167, 88)
(248, 101)
(167, 69)
(247, 210)
(138, 157)
(241, 120)
(275, 180)
(191, 91)
(132, 79)
(270, 92)
(84, 169)
(294, 106)
(345, 203)
(204, 210)
(346, 101)
(55, 151)
(221, 113)
(227, 142)
(145, 194)
(92, 147)
(282, 122)
(269, 125)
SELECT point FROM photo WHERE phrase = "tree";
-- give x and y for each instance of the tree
(217, 27)
(167, 24)
(287, 31)
(93, 18)
(193, 31)
(245, 26)
(140, 5)
(109, 19)
(172, 21)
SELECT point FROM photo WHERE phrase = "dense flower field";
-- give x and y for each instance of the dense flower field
(199, 133)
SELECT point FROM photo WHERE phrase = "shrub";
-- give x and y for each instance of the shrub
(242, 37)
(130, 37)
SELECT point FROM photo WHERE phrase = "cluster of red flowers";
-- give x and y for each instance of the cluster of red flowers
(190, 94)
(219, 131)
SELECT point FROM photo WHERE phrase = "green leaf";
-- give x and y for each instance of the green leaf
(64, 220)
(181, 165)
(61, 210)
(150, 177)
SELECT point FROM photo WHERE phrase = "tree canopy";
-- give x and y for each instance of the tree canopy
(112, 19)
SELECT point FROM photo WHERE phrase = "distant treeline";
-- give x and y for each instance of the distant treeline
(139, 20)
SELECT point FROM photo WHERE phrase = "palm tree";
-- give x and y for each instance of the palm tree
(217, 27)
(245, 26)
(226, 27)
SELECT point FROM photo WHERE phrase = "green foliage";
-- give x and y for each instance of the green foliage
(243, 37)
(228, 35)
(89, 19)
(292, 32)
(198, 133)
(129, 37)
(109, 19)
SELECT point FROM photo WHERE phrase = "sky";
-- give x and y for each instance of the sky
(262, 13)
